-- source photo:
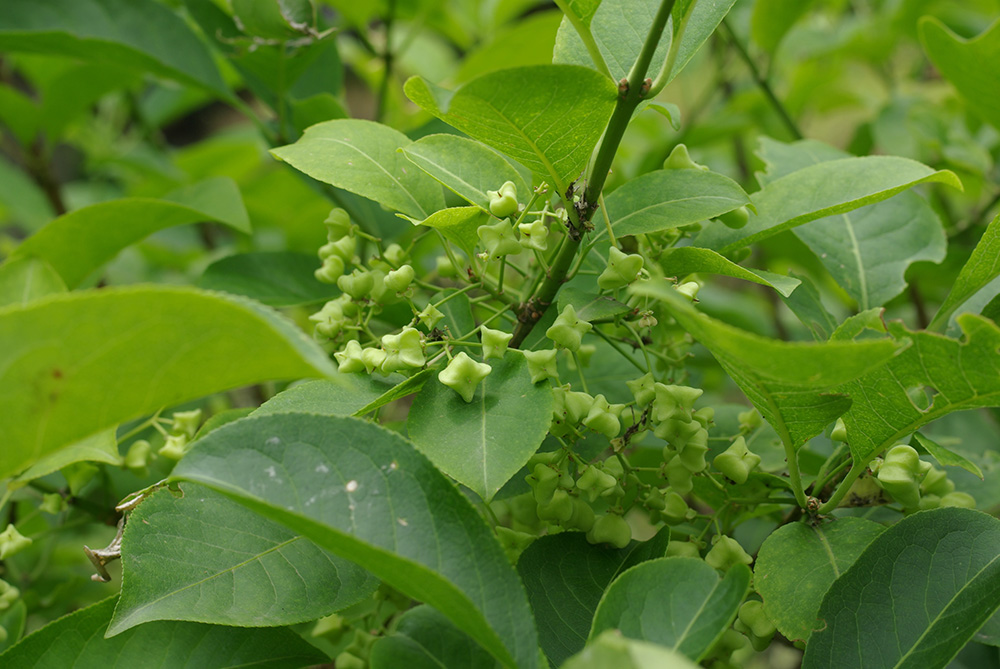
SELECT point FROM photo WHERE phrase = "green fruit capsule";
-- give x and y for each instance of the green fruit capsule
(622, 270)
(463, 375)
(900, 475)
(12, 542)
(514, 542)
(610, 529)
(400, 279)
(642, 389)
(936, 482)
(499, 240)
(674, 402)
(596, 482)
(683, 549)
(543, 482)
(735, 219)
(675, 509)
(726, 553)
(602, 419)
(357, 284)
(567, 331)
(752, 615)
(541, 364)
(534, 235)
(559, 509)
(680, 159)
(138, 456)
(332, 269)
(503, 202)
(430, 316)
(583, 516)
(736, 462)
(338, 224)
(959, 499)
(351, 359)
(494, 342)
(403, 351)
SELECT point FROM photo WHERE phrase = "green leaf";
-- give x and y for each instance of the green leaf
(693, 21)
(807, 305)
(820, 190)
(344, 394)
(686, 260)
(77, 640)
(71, 365)
(677, 602)
(363, 157)
(100, 447)
(423, 637)
(611, 649)
(945, 457)
(482, 443)
(798, 563)
(204, 558)
(26, 279)
(546, 117)
(915, 596)
(591, 306)
(772, 19)
(457, 312)
(566, 575)
(529, 41)
(457, 224)
(78, 243)
(667, 199)
(788, 382)
(959, 374)
(13, 620)
(22, 199)
(965, 63)
(467, 168)
(982, 267)
(277, 279)
(138, 34)
(365, 493)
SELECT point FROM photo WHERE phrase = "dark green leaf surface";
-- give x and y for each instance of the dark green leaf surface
(960, 375)
(546, 117)
(81, 241)
(966, 64)
(788, 382)
(671, 198)
(344, 394)
(365, 493)
(566, 576)
(27, 279)
(772, 19)
(363, 157)
(807, 305)
(466, 167)
(202, 557)
(77, 640)
(277, 279)
(482, 443)
(797, 565)
(982, 267)
(945, 457)
(139, 34)
(915, 596)
(71, 365)
(423, 638)
(591, 306)
(677, 602)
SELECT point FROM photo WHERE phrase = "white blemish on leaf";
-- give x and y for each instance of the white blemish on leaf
(322, 469)
(351, 486)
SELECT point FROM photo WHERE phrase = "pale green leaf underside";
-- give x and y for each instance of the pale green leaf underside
(204, 558)
(27, 279)
(80, 242)
(363, 157)
(966, 63)
(797, 565)
(77, 640)
(944, 456)
(611, 649)
(828, 188)
(483, 443)
(100, 447)
(789, 382)
(982, 267)
(458, 224)
(365, 493)
(73, 364)
(677, 602)
(546, 117)
(914, 597)
(680, 262)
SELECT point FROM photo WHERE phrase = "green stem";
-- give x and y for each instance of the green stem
(795, 476)
(842, 488)
(586, 36)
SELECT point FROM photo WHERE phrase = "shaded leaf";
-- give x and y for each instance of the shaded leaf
(798, 563)
(63, 377)
(482, 443)
(457, 224)
(915, 596)
(772, 19)
(677, 602)
(204, 558)
(610, 649)
(423, 637)
(981, 268)
(343, 395)
(100, 447)
(686, 260)
(591, 306)
(963, 63)
(365, 493)
(277, 279)
(945, 457)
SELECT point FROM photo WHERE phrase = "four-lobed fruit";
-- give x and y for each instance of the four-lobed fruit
(737, 461)
(541, 364)
(612, 529)
(12, 542)
(463, 375)
(901, 473)
(494, 342)
(568, 329)
(499, 239)
(622, 270)
(503, 202)
(726, 553)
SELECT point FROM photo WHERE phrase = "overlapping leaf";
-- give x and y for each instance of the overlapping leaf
(963, 62)
(277, 279)
(680, 262)
(27, 279)
(423, 637)
(982, 267)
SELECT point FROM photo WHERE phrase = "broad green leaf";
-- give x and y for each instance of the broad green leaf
(820, 190)
(945, 457)
(959, 374)
(467, 168)
(982, 267)
(138, 34)
(669, 199)
(363, 157)
(21, 198)
(807, 305)
(788, 382)
(77, 640)
(81, 241)
(277, 279)
(277, 19)
(566, 575)
(693, 22)
(422, 637)
(546, 117)
(966, 64)
(482, 443)
(591, 306)
(611, 649)
(867, 251)
(686, 260)
(457, 224)
(772, 19)
(797, 565)
(100, 447)
(12, 620)
(19, 114)
(26, 279)
(71, 365)
(677, 602)
(344, 394)
(915, 596)
(584, 10)
(529, 41)
(365, 493)
(200, 556)
(457, 312)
